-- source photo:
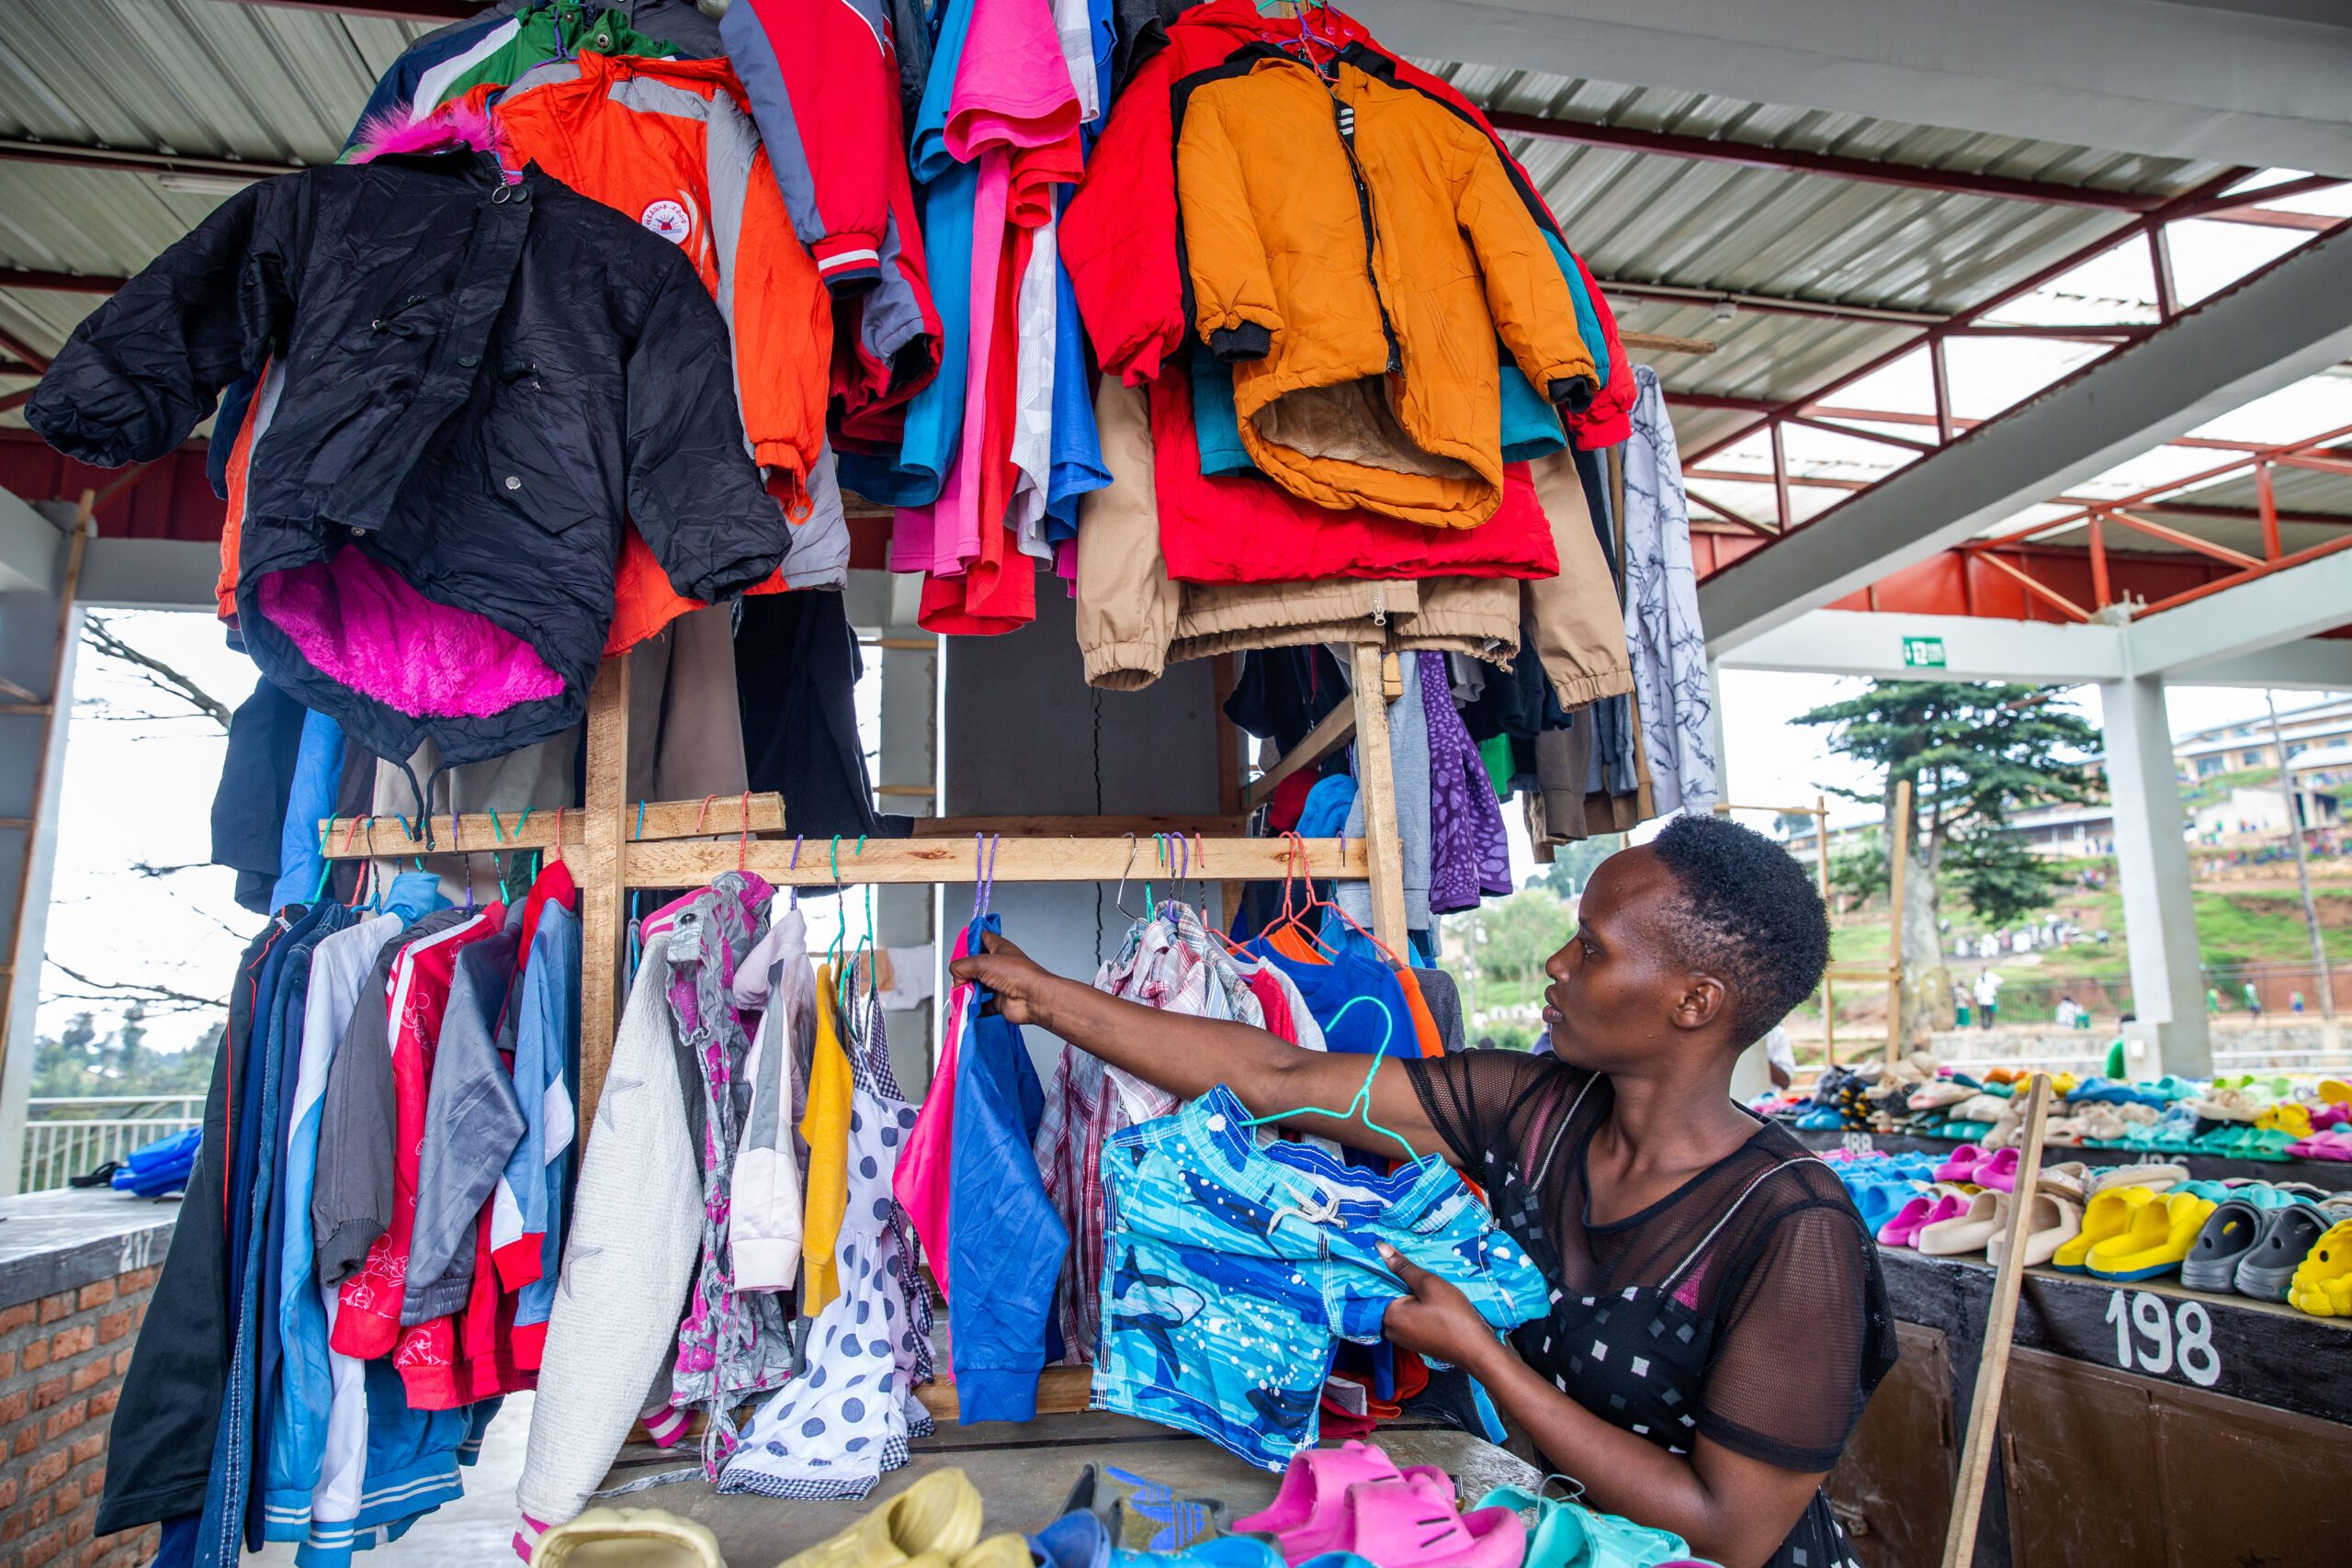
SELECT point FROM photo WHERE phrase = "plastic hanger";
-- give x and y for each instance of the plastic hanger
(1360, 1108)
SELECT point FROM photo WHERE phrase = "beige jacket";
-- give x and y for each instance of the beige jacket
(1133, 621)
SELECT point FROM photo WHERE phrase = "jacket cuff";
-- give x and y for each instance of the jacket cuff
(766, 1263)
(1573, 393)
(1594, 430)
(361, 1334)
(1126, 666)
(850, 263)
(518, 1262)
(1247, 341)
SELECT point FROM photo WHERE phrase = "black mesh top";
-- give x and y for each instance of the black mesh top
(1773, 1313)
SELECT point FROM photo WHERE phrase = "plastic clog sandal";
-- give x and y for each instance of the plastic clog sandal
(1968, 1232)
(2286, 1238)
(1402, 1526)
(2053, 1222)
(938, 1518)
(1564, 1533)
(1309, 1513)
(1962, 1163)
(2229, 1234)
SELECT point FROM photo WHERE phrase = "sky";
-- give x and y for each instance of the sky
(139, 789)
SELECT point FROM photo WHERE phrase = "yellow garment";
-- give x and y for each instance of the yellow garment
(824, 1127)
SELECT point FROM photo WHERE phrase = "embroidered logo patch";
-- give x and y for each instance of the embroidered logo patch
(669, 220)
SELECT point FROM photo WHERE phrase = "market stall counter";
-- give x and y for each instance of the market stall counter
(2335, 1176)
(2144, 1423)
(1024, 1472)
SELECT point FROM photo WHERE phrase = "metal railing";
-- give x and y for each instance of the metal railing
(64, 1137)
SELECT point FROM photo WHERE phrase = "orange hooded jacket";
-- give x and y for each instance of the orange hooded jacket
(1354, 250)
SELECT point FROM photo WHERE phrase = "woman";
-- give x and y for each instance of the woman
(1718, 1318)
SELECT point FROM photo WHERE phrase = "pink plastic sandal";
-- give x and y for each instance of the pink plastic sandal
(1309, 1513)
(1904, 1229)
(1403, 1527)
(1961, 1165)
(2000, 1169)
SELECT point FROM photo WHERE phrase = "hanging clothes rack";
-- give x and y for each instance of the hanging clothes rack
(613, 846)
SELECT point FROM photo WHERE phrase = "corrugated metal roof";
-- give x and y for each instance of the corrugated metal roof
(280, 85)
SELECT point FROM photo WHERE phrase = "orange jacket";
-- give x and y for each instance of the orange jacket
(671, 143)
(1355, 249)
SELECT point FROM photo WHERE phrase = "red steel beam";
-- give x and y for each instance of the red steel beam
(2175, 536)
(2038, 590)
(57, 282)
(2265, 568)
(1796, 160)
(1766, 304)
(18, 349)
(2059, 268)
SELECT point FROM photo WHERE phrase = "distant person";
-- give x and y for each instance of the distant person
(2295, 1001)
(1988, 997)
(1780, 1057)
(2115, 1052)
(2253, 998)
(1485, 1042)
(2212, 1001)
(1959, 1006)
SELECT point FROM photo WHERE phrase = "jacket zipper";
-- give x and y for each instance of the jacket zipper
(1344, 117)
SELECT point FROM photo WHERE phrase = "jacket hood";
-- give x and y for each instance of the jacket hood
(454, 127)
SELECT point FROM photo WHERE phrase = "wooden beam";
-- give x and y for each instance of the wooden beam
(1216, 826)
(888, 862)
(1376, 788)
(366, 838)
(1333, 730)
(601, 865)
(1658, 342)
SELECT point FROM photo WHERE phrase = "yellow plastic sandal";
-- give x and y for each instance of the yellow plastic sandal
(2335, 1091)
(2323, 1284)
(2161, 1235)
(929, 1525)
(2286, 1117)
(2108, 1215)
(629, 1538)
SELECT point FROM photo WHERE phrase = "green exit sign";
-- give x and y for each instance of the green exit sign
(1923, 653)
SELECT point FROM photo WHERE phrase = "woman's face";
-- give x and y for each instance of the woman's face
(1614, 986)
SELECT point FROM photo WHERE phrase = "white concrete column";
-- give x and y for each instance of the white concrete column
(32, 757)
(2152, 864)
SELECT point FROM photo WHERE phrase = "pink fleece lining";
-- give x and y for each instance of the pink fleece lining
(454, 125)
(360, 625)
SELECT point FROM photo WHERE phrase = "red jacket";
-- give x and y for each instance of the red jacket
(1243, 528)
(369, 1322)
(1120, 236)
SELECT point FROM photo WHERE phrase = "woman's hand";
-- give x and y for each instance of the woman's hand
(1013, 975)
(1437, 1319)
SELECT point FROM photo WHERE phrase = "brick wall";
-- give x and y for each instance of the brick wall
(62, 1360)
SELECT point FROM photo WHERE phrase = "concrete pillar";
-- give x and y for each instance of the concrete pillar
(27, 636)
(2152, 864)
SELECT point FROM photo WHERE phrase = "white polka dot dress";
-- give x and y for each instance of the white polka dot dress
(845, 1423)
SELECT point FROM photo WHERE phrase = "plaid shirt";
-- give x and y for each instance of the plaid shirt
(1171, 963)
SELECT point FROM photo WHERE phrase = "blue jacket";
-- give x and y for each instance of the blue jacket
(526, 1215)
(318, 776)
(1005, 1242)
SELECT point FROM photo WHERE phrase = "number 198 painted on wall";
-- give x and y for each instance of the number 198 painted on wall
(2190, 1347)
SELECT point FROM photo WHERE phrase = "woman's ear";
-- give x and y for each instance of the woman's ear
(1702, 1001)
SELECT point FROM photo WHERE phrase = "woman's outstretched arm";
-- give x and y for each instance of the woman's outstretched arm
(1187, 1057)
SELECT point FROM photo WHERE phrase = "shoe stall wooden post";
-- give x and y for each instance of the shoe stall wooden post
(1829, 975)
(1993, 1365)
(1899, 850)
(1377, 785)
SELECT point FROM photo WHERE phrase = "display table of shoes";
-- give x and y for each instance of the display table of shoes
(2333, 1175)
(1024, 1472)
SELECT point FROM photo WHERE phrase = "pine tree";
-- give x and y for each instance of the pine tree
(1971, 753)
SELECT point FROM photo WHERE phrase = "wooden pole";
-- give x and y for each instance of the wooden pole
(1829, 982)
(2000, 1324)
(1377, 784)
(600, 870)
(1899, 850)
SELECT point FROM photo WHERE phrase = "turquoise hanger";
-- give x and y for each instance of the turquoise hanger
(1360, 1108)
